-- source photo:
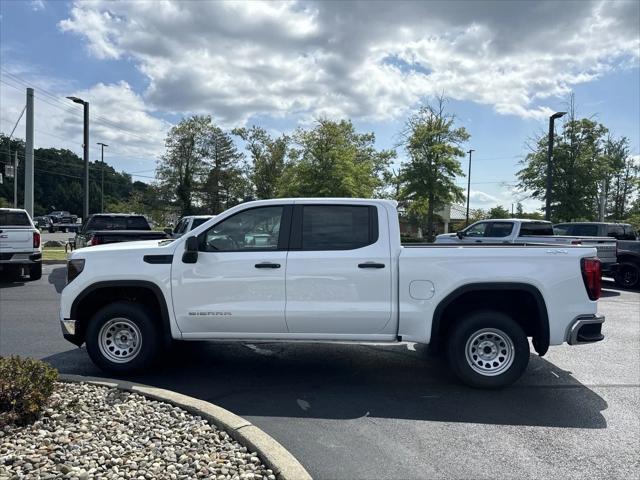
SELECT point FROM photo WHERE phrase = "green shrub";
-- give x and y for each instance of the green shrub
(25, 388)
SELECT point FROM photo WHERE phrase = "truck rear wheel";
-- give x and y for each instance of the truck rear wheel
(488, 349)
(122, 338)
(627, 275)
(35, 271)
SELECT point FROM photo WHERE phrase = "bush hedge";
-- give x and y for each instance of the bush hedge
(25, 387)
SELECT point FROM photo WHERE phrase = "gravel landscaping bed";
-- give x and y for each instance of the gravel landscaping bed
(91, 431)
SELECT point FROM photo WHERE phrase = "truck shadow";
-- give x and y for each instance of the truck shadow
(352, 381)
(58, 278)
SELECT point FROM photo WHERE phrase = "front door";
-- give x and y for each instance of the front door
(338, 271)
(237, 284)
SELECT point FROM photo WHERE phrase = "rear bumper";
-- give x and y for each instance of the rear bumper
(585, 329)
(20, 258)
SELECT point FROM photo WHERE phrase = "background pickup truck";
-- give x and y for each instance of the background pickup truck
(627, 272)
(19, 243)
(525, 231)
(114, 228)
(186, 224)
(330, 270)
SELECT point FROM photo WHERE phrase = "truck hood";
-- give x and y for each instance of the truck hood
(152, 246)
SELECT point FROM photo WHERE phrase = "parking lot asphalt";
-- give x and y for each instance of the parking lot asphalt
(373, 411)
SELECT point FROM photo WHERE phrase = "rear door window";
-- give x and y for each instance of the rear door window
(615, 231)
(500, 229)
(338, 227)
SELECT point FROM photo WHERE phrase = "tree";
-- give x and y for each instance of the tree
(622, 181)
(432, 143)
(268, 159)
(224, 185)
(333, 160)
(181, 167)
(499, 212)
(579, 169)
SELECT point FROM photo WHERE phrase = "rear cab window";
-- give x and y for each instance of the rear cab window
(531, 229)
(118, 223)
(14, 219)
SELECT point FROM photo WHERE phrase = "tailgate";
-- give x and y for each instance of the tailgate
(16, 239)
(607, 252)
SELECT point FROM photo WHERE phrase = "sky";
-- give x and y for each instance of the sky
(143, 65)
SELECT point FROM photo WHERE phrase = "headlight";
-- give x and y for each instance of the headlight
(74, 268)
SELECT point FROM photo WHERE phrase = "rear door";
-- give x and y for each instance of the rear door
(338, 278)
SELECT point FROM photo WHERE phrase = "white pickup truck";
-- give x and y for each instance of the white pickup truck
(20, 247)
(329, 270)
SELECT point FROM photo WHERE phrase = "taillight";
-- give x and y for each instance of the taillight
(592, 276)
(36, 239)
(74, 268)
(95, 241)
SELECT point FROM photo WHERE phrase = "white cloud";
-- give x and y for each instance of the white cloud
(118, 117)
(359, 59)
(37, 5)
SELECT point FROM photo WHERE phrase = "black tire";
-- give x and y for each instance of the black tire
(627, 275)
(35, 271)
(148, 334)
(507, 357)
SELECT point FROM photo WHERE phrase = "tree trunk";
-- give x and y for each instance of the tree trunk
(430, 236)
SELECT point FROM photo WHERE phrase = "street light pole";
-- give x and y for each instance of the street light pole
(547, 213)
(102, 145)
(85, 209)
(468, 186)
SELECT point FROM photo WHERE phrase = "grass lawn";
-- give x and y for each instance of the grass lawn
(54, 254)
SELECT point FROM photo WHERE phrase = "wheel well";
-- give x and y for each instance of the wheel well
(96, 297)
(635, 259)
(524, 304)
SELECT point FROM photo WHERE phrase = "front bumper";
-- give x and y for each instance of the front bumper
(585, 329)
(609, 269)
(70, 331)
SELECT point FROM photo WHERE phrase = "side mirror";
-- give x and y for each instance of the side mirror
(190, 254)
(460, 234)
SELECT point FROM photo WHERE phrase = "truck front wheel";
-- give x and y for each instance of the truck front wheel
(488, 349)
(122, 338)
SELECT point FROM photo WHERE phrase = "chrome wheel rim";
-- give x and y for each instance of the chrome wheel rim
(120, 340)
(489, 352)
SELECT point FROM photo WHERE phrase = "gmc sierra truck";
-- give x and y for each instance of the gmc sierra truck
(20, 248)
(330, 270)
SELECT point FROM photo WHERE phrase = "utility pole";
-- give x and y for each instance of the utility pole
(15, 178)
(102, 145)
(28, 156)
(547, 212)
(15, 161)
(469, 186)
(85, 209)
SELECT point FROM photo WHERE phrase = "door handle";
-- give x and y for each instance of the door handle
(371, 265)
(267, 265)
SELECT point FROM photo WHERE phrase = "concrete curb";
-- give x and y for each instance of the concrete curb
(275, 456)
